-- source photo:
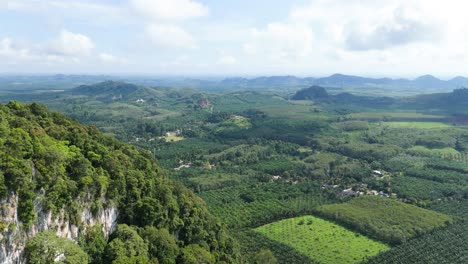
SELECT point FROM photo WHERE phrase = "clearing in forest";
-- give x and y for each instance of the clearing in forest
(321, 240)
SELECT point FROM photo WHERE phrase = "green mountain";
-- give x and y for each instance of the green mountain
(105, 88)
(313, 92)
(320, 94)
(111, 198)
(457, 97)
(453, 103)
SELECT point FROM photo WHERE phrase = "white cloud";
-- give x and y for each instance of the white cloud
(180, 60)
(282, 41)
(66, 49)
(86, 11)
(170, 36)
(110, 59)
(403, 28)
(44, 5)
(249, 48)
(367, 25)
(227, 60)
(71, 44)
(318, 37)
(170, 9)
(9, 50)
(366, 36)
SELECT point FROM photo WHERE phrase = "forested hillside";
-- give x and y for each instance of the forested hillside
(386, 171)
(51, 163)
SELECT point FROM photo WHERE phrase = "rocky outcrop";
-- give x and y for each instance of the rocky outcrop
(15, 234)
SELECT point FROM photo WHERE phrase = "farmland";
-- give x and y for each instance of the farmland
(173, 138)
(234, 132)
(239, 207)
(395, 116)
(321, 240)
(419, 125)
(259, 159)
(384, 218)
(444, 246)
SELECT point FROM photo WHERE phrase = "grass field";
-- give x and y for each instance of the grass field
(217, 180)
(294, 111)
(423, 151)
(234, 123)
(321, 240)
(173, 138)
(394, 116)
(304, 149)
(418, 125)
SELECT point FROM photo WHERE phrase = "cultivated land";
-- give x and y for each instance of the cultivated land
(385, 218)
(444, 246)
(256, 157)
(173, 138)
(419, 125)
(382, 116)
(322, 240)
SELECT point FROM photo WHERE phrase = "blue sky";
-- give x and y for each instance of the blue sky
(223, 38)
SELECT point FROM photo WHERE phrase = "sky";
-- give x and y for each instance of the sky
(391, 38)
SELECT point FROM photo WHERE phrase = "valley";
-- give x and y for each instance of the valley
(233, 132)
(283, 171)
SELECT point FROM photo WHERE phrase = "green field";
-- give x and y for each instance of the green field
(423, 151)
(207, 181)
(394, 116)
(294, 111)
(239, 206)
(234, 123)
(384, 218)
(322, 240)
(173, 138)
(418, 125)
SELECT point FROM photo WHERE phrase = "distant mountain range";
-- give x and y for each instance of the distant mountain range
(454, 102)
(268, 81)
(106, 88)
(341, 80)
(320, 94)
(287, 84)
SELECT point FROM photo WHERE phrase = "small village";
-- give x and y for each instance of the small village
(170, 136)
(362, 188)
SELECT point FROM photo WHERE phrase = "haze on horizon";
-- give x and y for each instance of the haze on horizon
(393, 38)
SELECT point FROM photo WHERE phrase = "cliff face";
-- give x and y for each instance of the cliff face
(15, 234)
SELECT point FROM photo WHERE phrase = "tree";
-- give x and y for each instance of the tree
(194, 254)
(46, 248)
(126, 244)
(94, 243)
(46, 152)
(19, 143)
(265, 256)
(161, 244)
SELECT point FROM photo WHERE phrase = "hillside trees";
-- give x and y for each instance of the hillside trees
(46, 247)
(72, 166)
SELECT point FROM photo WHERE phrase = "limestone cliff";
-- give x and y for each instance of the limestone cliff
(15, 234)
